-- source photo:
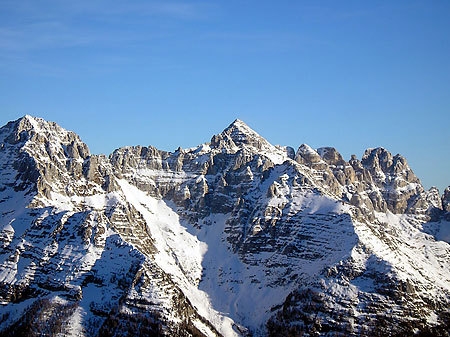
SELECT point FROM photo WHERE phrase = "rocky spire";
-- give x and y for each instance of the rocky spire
(195, 232)
(446, 199)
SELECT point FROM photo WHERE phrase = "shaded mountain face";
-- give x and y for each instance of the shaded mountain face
(236, 237)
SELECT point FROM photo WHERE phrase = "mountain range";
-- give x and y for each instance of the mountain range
(235, 237)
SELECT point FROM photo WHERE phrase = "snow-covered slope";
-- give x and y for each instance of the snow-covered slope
(235, 237)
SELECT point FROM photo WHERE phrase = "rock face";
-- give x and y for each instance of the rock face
(236, 237)
(446, 200)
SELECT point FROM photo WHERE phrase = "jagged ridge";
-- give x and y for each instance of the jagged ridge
(234, 237)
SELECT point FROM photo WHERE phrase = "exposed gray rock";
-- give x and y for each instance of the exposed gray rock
(331, 156)
(446, 200)
(238, 134)
(281, 242)
(308, 156)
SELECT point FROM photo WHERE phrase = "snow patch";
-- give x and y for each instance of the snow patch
(180, 253)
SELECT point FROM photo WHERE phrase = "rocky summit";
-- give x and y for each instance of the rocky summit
(236, 237)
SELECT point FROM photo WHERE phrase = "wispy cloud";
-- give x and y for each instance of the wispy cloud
(30, 27)
(34, 36)
(78, 23)
(167, 9)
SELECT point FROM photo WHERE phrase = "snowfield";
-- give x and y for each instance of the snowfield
(235, 237)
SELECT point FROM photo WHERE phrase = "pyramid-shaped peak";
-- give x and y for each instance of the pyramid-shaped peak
(240, 131)
(239, 123)
(241, 126)
(237, 135)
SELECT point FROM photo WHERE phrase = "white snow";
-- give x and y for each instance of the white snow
(411, 253)
(235, 288)
(224, 286)
(443, 233)
(75, 323)
(179, 253)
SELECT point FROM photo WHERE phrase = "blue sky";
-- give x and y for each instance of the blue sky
(347, 74)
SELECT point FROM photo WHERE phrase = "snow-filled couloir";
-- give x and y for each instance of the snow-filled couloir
(236, 237)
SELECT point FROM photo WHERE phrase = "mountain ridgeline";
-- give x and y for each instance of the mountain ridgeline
(235, 237)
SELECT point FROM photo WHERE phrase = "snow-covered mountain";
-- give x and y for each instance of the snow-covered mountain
(236, 237)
